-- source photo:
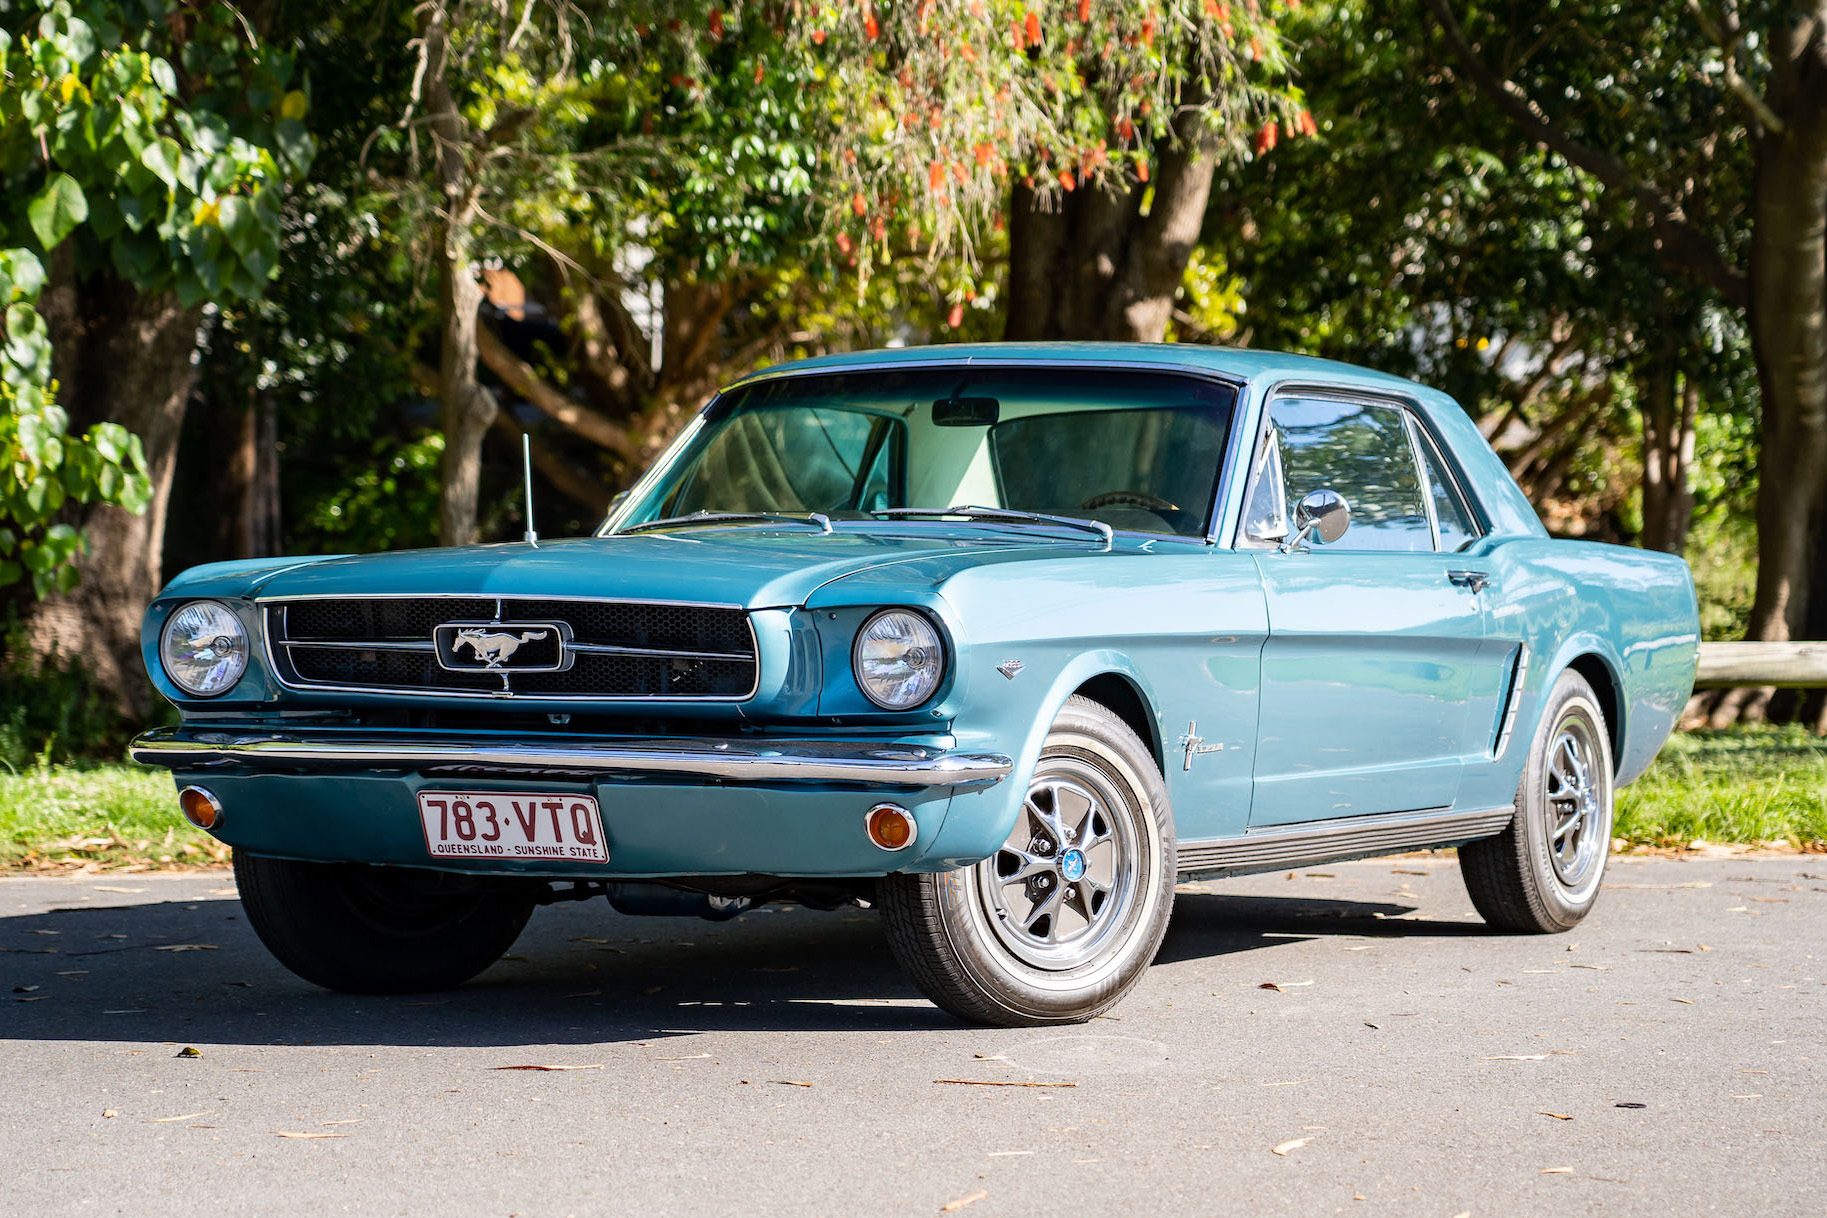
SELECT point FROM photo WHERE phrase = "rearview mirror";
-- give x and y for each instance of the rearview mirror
(966, 412)
(1323, 514)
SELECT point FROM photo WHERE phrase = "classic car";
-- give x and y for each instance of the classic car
(1003, 641)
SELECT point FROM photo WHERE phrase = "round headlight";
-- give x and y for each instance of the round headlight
(898, 659)
(204, 648)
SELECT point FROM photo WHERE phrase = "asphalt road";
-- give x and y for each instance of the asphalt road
(779, 1064)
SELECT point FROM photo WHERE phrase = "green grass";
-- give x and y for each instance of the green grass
(111, 815)
(1748, 785)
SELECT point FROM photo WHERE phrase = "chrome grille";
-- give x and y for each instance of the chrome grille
(620, 649)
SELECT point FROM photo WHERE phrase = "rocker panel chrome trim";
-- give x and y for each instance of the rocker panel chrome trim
(1336, 840)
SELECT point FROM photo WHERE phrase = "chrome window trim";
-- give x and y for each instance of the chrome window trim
(1222, 484)
(268, 604)
(1474, 513)
(1412, 429)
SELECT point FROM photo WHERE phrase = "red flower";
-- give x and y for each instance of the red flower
(1084, 10)
(1141, 170)
(1033, 28)
(935, 175)
(716, 23)
(1265, 138)
(1066, 179)
(871, 26)
(1148, 31)
(859, 205)
(955, 318)
(843, 242)
(818, 37)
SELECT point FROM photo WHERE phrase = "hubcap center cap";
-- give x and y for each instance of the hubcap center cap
(1072, 864)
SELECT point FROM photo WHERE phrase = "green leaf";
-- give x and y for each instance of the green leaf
(295, 142)
(236, 216)
(163, 158)
(57, 210)
(164, 78)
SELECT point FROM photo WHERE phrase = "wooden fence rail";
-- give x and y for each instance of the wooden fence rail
(1785, 665)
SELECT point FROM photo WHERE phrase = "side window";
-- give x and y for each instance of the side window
(1362, 451)
(1456, 528)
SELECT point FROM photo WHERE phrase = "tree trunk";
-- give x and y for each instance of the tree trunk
(1091, 264)
(1668, 457)
(1788, 323)
(467, 408)
(126, 357)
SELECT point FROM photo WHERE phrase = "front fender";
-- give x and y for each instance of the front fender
(978, 822)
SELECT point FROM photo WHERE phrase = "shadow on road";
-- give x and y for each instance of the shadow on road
(193, 972)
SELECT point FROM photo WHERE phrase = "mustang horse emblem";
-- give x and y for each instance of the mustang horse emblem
(493, 647)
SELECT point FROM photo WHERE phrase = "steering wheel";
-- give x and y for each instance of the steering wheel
(1137, 499)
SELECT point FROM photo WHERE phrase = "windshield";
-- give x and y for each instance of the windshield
(1137, 451)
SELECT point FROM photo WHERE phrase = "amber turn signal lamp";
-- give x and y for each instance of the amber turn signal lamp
(891, 827)
(200, 808)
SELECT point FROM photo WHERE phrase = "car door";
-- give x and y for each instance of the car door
(1376, 651)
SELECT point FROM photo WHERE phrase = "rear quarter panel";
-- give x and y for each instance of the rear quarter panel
(1634, 610)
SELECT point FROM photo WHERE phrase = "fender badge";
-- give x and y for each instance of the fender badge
(1009, 668)
(1195, 744)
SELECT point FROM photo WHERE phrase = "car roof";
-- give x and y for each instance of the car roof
(1240, 363)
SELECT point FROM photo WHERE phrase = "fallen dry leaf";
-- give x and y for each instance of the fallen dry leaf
(596, 1066)
(349, 1121)
(1556, 1171)
(285, 1133)
(1688, 1001)
(1559, 1116)
(109, 888)
(189, 1051)
(961, 1202)
(109, 1112)
(787, 1082)
(990, 1082)
(694, 1057)
(188, 1116)
(1292, 1144)
(1518, 1057)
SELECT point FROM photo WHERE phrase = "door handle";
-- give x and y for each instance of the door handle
(1477, 581)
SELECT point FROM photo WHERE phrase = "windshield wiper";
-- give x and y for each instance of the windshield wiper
(817, 519)
(1012, 515)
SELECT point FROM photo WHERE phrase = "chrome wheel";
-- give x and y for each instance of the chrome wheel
(1578, 793)
(1061, 887)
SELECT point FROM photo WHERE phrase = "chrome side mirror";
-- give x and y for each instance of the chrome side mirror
(1322, 513)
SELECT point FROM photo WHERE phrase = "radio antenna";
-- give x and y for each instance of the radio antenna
(526, 470)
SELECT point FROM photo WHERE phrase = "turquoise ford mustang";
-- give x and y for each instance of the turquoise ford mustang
(1001, 640)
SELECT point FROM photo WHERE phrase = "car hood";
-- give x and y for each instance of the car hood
(752, 567)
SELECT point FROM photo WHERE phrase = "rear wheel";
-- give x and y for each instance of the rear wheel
(377, 930)
(1542, 874)
(1058, 924)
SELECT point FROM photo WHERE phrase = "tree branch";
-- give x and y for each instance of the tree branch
(1681, 242)
(521, 377)
(1727, 41)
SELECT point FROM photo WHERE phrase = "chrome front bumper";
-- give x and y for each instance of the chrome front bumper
(735, 760)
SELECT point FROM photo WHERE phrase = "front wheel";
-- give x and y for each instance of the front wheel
(377, 930)
(1058, 924)
(1541, 875)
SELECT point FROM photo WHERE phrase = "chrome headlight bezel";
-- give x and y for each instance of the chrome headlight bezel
(926, 643)
(221, 667)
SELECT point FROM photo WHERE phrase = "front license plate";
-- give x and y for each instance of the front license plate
(509, 825)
